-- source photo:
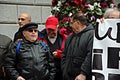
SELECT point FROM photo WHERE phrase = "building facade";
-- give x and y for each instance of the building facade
(10, 9)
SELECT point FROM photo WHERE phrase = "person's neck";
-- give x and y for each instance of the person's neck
(52, 40)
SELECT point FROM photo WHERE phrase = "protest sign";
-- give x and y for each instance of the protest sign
(106, 51)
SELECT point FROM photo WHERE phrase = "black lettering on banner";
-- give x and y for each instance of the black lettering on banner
(96, 32)
(97, 59)
(118, 32)
(98, 76)
(108, 33)
(113, 76)
(113, 57)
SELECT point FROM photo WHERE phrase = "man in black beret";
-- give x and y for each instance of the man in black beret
(33, 61)
(29, 25)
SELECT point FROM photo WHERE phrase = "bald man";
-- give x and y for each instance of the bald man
(23, 19)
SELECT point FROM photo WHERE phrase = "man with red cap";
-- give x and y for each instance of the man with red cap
(55, 40)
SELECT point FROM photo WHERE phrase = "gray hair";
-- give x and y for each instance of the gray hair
(108, 11)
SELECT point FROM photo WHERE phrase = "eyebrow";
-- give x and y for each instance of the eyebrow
(21, 18)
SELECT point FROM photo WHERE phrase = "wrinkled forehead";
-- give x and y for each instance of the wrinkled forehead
(23, 16)
(114, 14)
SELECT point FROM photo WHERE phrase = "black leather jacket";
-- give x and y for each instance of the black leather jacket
(4, 46)
(32, 62)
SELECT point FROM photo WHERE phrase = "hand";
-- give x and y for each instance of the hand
(54, 53)
(102, 20)
(20, 78)
(81, 77)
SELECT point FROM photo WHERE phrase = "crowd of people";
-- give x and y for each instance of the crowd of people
(49, 54)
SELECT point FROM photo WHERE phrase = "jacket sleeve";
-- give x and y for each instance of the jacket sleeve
(5, 48)
(51, 66)
(64, 51)
(59, 51)
(86, 65)
(63, 58)
(10, 61)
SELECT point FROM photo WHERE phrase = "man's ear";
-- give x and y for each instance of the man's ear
(23, 33)
(79, 22)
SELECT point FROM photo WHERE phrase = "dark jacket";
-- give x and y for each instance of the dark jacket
(18, 35)
(61, 37)
(4, 46)
(77, 54)
(58, 46)
(32, 62)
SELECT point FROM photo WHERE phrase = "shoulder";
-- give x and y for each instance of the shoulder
(5, 39)
(90, 30)
(18, 35)
(42, 33)
(43, 45)
(62, 34)
(18, 42)
(69, 37)
(18, 32)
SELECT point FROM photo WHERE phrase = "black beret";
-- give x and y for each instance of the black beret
(29, 25)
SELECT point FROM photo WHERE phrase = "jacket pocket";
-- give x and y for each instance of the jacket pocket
(76, 65)
(41, 71)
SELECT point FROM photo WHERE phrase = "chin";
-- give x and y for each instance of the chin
(32, 40)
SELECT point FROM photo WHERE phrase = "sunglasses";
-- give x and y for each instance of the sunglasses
(32, 30)
(22, 19)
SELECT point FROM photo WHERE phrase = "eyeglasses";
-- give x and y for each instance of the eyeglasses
(31, 30)
(72, 22)
(22, 19)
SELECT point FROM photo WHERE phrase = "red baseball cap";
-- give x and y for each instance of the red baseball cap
(51, 22)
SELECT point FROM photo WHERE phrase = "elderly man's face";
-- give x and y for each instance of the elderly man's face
(114, 14)
(51, 33)
(23, 19)
(31, 34)
(74, 25)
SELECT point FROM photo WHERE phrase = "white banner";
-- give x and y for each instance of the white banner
(106, 51)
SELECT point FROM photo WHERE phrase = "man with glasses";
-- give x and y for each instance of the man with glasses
(23, 19)
(77, 53)
(33, 61)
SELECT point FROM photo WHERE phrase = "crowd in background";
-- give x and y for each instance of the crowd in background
(52, 53)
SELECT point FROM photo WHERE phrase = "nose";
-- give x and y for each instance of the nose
(70, 25)
(19, 21)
